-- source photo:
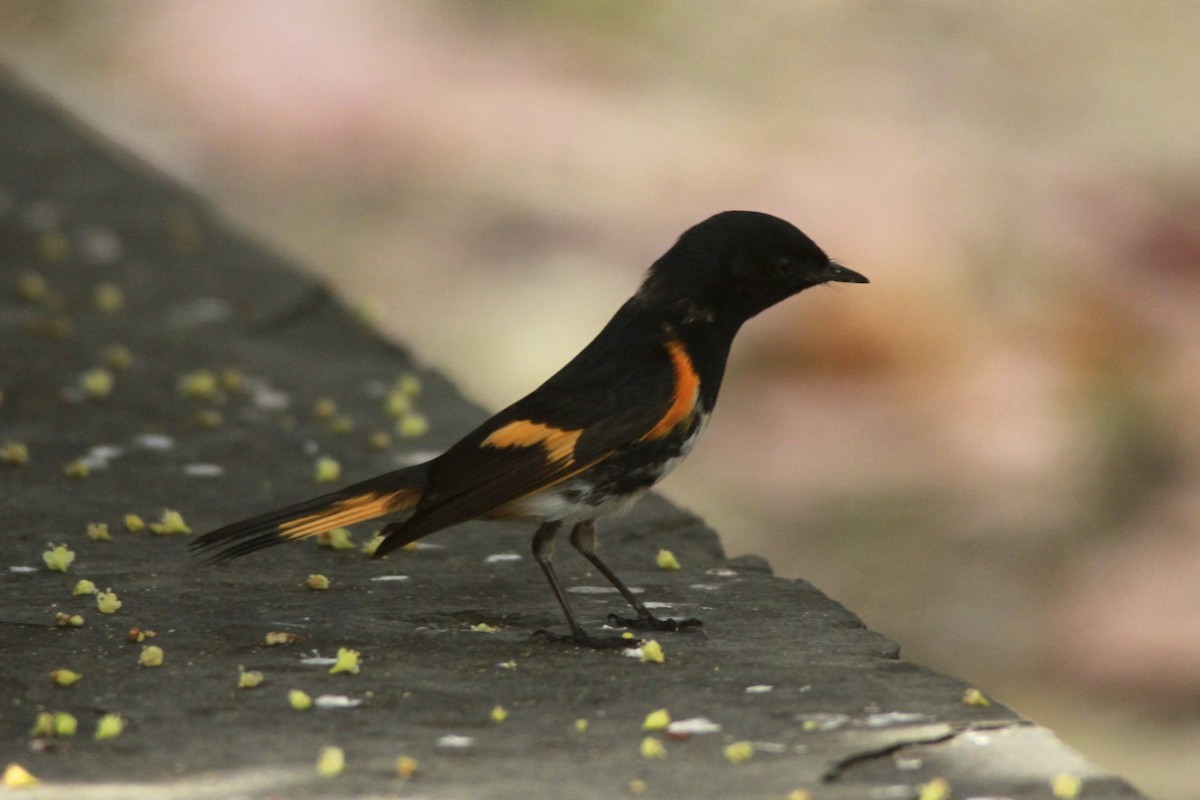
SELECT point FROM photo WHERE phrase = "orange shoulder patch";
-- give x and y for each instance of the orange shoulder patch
(685, 396)
(558, 443)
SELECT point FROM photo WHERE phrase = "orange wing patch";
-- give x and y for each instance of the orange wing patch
(347, 512)
(687, 392)
(558, 444)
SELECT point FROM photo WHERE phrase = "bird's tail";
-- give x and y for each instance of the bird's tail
(392, 493)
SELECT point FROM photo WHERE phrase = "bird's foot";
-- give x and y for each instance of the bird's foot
(648, 622)
(582, 639)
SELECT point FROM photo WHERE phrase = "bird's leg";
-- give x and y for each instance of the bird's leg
(543, 551)
(583, 538)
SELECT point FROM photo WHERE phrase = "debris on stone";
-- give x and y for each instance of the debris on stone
(14, 454)
(653, 748)
(299, 700)
(280, 637)
(170, 523)
(107, 602)
(98, 532)
(58, 558)
(666, 560)
(412, 425)
(77, 469)
(327, 469)
(936, 789)
(330, 762)
(656, 720)
(248, 679)
(337, 539)
(738, 752)
(201, 384)
(65, 677)
(406, 767)
(151, 656)
(347, 661)
(110, 726)
(17, 777)
(65, 724)
(652, 651)
(1066, 786)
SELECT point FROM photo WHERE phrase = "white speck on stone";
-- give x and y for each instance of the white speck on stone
(20, 568)
(759, 688)
(265, 396)
(99, 456)
(454, 741)
(894, 718)
(203, 470)
(658, 604)
(428, 546)
(823, 721)
(705, 587)
(205, 310)
(390, 578)
(769, 747)
(632, 652)
(721, 572)
(336, 701)
(981, 738)
(317, 660)
(154, 441)
(601, 589)
(99, 245)
(498, 558)
(694, 725)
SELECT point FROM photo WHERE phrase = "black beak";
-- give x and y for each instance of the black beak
(836, 272)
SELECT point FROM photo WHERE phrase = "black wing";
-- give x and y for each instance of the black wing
(625, 387)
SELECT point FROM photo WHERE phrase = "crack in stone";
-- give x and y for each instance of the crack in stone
(946, 733)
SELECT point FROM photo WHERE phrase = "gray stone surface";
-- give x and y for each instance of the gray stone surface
(844, 718)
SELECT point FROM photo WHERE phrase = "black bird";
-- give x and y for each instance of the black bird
(602, 430)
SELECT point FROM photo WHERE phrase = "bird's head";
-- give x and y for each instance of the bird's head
(735, 264)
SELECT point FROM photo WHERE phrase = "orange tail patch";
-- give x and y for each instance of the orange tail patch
(347, 512)
(394, 492)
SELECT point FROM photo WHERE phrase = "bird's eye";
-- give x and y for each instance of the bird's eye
(782, 266)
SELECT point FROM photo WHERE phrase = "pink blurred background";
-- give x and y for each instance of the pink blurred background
(992, 453)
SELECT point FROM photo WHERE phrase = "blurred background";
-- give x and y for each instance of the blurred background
(991, 453)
